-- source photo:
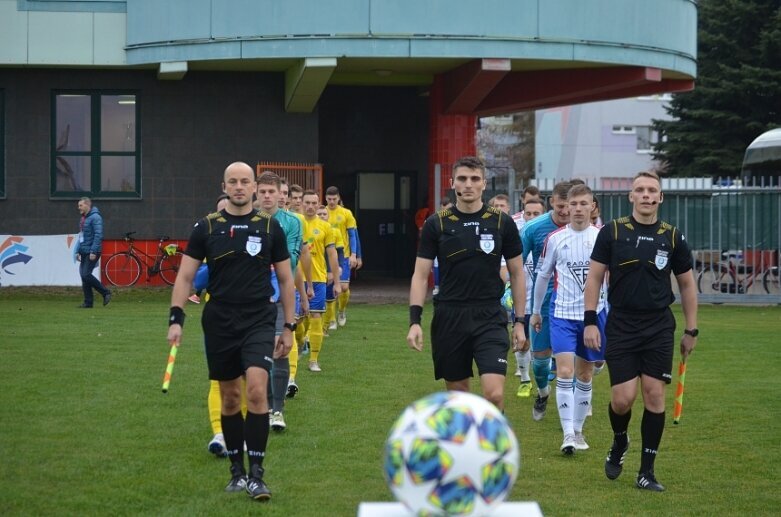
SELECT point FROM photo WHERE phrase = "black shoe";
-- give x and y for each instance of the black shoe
(647, 481)
(84, 306)
(614, 463)
(292, 389)
(106, 298)
(540, 406)
(238, 480)
(256, 488)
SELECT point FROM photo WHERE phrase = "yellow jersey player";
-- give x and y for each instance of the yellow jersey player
(342, 219)
(319, 238)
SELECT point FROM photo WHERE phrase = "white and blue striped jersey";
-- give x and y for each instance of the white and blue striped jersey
(567, 256)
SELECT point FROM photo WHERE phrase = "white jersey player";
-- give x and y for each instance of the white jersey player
(567, 256)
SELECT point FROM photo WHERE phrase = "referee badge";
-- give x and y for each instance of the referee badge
(487, 243)
(661, 259)
(253, 245)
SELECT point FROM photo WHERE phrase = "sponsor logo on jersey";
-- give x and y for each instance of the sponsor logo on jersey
(643, 238)
(579, 271)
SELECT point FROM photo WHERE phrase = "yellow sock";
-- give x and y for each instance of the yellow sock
(315, 337)
(293, 357)
(330, 313)
(301, 331)
(344, 297)
(214, 403)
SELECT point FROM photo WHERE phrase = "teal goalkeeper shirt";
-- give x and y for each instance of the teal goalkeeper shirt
(292, 228)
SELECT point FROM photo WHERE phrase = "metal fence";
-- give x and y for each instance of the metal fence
(734, 232)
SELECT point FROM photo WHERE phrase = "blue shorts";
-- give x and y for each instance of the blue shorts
(317, 304)
(329, 292)
(345, 265)
(567, 337)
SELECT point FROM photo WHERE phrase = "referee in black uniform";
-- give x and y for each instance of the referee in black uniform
(239, 244)
(469, 321)
(640, 252)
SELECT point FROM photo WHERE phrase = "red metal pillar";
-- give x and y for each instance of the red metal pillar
(450, 138)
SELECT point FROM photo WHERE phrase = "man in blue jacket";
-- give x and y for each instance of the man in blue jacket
(90, 245)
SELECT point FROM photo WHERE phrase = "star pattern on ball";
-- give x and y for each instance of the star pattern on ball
(471, 458)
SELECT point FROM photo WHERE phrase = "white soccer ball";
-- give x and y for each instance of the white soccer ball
(451, 453)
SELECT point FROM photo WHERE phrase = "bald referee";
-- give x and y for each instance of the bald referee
(640, 252)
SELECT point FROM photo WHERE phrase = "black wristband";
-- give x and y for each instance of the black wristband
(415, 313)
(589, 318)
(176, 316)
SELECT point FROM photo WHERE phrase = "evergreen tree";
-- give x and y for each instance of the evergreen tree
(737, 94)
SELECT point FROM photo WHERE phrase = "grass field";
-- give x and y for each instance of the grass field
(85, 429)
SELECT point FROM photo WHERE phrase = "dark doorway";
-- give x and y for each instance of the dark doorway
(385, 209)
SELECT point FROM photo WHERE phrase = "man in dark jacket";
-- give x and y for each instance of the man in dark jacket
(90, 245)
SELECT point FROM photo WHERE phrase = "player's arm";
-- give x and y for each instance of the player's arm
(301, 287)
(358, 252)
(352, 234)
(688, 290)
(288, 298)
(518, 289)
(544, 273)
(417, 297)
(594, 280)
(333, 262)
(682, 269)
(182, 287)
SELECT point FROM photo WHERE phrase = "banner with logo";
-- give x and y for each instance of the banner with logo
(40, 260)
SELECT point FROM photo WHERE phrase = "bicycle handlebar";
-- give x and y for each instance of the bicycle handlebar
(128, 234)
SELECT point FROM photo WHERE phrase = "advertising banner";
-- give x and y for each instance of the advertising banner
(27, 260)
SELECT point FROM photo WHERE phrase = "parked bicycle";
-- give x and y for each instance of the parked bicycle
(733, 275)
(124, 268)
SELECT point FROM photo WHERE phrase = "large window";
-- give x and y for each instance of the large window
(95, 145)
(647, 138)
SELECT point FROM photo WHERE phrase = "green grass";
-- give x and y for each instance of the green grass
(85, 429)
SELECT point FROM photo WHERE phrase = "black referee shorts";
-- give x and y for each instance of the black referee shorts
(640, 343)
(461, 334)
(238, 336)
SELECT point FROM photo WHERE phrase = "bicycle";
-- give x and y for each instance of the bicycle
(734, 276)
(123, 268)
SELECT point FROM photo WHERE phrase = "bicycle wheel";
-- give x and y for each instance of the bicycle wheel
(716, 279)
(122, 269)
(770, 281)
(169, 267)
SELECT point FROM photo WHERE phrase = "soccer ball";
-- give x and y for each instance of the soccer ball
(451, 453)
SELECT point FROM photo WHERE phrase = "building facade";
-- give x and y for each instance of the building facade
(140, 104)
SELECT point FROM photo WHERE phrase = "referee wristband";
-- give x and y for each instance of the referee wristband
(176, 316)
(589, 318)
(415, 313)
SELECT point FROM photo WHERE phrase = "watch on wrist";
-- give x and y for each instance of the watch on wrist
(291, 326)
(692, 332)
(519, 320)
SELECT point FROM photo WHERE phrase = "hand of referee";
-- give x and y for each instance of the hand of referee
(687, 345)
(520, 343)
(283, 344)
(415, 337)
(591, 337)
(174, 334)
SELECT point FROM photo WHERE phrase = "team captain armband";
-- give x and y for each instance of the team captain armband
(415, 313)
(176, 316)
(589, 318)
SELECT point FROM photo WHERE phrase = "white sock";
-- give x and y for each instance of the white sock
(524, 359)
(565, 400)
(582, 403)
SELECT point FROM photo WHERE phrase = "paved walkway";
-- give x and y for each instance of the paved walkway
(379, 290)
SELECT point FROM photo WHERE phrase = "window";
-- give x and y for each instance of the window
(623, 130)
(95, 145)
(2, 144)
(647, 138)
